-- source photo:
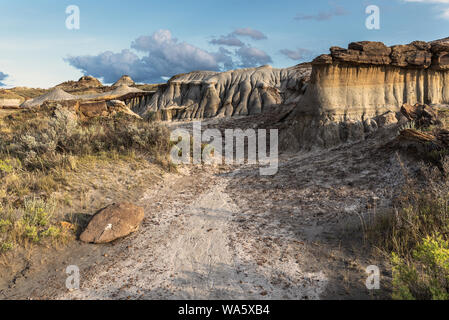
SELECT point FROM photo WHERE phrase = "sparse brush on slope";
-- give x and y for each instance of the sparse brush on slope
(37, 149)
(416, 236)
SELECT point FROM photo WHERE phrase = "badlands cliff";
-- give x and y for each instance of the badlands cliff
(205, 94)
(341, 96)
(356, 90)
(371, 77)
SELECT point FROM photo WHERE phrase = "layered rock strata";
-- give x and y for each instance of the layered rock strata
(205, 94)
(351, 91)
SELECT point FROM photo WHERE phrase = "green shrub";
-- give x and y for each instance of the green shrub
(6, 246)
(425, 275)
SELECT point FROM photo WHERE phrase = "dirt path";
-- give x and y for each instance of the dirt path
(188, 250)
(229, 233)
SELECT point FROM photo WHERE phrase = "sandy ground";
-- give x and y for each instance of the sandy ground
(225, 232)
(186, 251)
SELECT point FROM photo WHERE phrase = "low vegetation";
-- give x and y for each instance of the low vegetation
(38, 150)
(21, 93)
(415, 236)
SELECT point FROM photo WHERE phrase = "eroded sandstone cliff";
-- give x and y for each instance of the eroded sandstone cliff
(205, 94)
(356, 90)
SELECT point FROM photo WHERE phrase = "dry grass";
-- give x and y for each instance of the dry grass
(45, 153)
(415, 235)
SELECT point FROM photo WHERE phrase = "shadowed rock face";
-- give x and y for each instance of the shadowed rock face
(205, 94)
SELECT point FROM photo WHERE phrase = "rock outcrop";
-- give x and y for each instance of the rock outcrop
(351, 88)
(420, 115)
(103, 109)
(124, 80)
(85, 110)
(57, 94)
(369, 75)
(120, 92)
(104, 104)
(84, 83)
(205, 94)
(113, 222)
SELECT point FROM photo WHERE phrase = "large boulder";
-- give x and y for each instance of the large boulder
(422, 114)
(113, 222)
(363, 52)
(415, 54)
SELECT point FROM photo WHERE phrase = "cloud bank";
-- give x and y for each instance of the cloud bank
(229, 40)
(3, 76)
(165, 56)
(324, 15)
(252, 57)
(247, 55)
(297, 54)
(248, 32)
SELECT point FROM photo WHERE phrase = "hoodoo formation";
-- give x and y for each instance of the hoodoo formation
(356, 90)
(369, 76)
(124, 80)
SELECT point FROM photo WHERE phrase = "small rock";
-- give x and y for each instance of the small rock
(386, 119)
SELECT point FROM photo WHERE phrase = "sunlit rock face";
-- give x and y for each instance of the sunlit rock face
(369, 78)
(205, 94)
(350, 90)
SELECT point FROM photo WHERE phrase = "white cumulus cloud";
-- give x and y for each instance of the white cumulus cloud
(165, 56)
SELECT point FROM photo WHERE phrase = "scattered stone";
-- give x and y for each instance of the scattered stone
(386, 119)
(422, 114)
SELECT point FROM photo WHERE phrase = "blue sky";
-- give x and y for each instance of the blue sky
(152, 40)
